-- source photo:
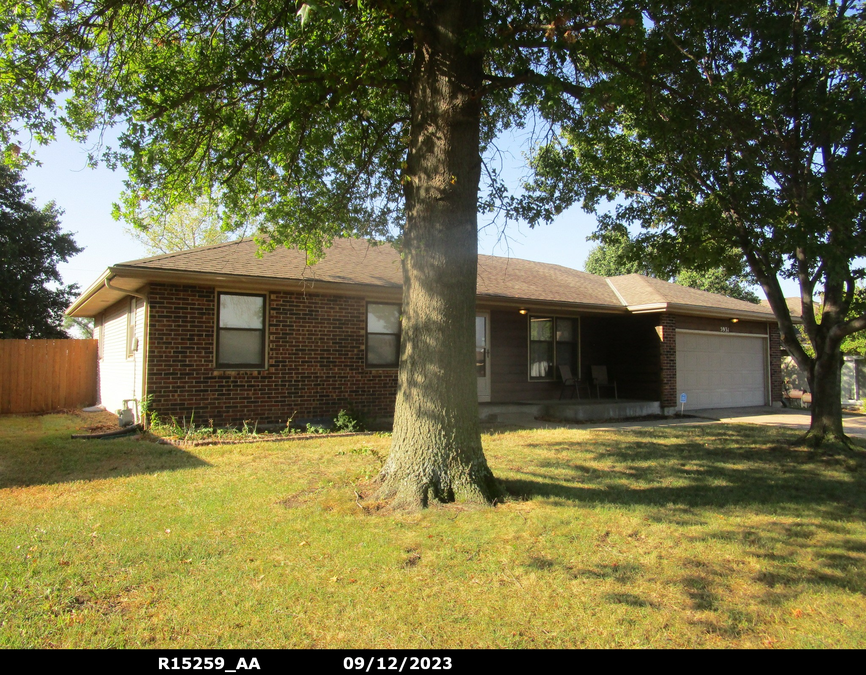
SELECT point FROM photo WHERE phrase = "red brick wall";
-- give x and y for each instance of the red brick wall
(315, 360)
(667, 332)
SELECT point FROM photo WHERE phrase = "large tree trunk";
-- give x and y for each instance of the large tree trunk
(824, 370)
(436, 448)
(826, 407)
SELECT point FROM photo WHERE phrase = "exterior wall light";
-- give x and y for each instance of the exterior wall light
(735, 320)
(523, 310)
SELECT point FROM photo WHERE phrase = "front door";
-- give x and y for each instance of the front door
(482, 355)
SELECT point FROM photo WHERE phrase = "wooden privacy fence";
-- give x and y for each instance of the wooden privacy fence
(42, 375)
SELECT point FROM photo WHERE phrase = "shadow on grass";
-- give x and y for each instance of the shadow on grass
(724, 488)
(725, 466)
(49, 462)
(797, 516)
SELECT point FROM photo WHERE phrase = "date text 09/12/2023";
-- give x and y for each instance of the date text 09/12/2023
(359, 663)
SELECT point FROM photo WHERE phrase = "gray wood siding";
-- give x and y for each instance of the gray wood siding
(628, 346)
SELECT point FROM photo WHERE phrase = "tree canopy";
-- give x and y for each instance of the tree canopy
(618, 254)
(301, 117)
(744, 125)
(32, 297)
(187, 226)
(334, 119)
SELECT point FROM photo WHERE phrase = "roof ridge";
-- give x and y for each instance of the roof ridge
(610, 283)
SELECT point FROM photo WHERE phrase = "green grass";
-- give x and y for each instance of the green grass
(704, 536)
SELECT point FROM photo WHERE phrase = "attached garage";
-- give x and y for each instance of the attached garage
(722, 370)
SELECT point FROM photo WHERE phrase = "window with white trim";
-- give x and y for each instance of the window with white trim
(383, 335)
(553, 342)
(240, 341)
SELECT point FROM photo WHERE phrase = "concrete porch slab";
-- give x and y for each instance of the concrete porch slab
(567, 411)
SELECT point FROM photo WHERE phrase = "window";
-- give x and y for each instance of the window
(383, 336)
(540, 349)
(553, 342)
(566, 345)
(240, 331)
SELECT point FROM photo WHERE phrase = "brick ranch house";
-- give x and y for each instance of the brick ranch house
(220, 334)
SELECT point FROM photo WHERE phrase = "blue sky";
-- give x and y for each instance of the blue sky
(86, 196)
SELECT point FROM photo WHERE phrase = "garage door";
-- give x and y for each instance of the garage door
(721, 371)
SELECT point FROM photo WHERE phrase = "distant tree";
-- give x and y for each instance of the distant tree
(184, 227)
(619, 254)
(719, 280)
(856, 342)
(32, 297)
(79, 327)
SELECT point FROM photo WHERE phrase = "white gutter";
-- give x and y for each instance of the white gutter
(702, 310)
(122, 290)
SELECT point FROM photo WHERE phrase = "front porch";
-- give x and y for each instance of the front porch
(574, 410)
(519, 360)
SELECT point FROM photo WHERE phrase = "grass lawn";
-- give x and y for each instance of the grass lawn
(698, 536)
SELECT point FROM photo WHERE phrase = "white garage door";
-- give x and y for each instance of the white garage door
(721, 371)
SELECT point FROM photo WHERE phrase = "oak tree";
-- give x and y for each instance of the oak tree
(744, 125)
(340, 118)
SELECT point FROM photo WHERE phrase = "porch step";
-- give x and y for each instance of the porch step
(568, 411)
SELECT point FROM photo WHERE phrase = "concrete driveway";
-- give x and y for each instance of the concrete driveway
(855, 425)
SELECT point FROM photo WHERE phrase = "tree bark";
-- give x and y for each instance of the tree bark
(824, 370)
(826, 407)
(436, 447)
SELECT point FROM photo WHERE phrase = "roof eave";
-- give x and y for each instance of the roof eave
(89, 292)
(538, 305)
(701, 310)
(275, 283)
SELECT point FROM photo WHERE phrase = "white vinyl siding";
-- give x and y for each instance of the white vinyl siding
(120, 376)
(721, 371)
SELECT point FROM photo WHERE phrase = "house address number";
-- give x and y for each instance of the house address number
(725, 329)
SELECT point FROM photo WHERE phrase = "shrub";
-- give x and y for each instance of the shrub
(349, 420)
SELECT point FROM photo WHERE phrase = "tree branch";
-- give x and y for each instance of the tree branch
(498, 83)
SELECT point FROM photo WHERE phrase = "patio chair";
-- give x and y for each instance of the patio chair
(569, 380)
(600, 379)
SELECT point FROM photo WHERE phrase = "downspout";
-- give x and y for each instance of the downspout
(145, 333)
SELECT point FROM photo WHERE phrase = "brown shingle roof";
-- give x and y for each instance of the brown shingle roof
(527, 280)
(637, 290)
(355, 262)
(349, 261)
(795, 306)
